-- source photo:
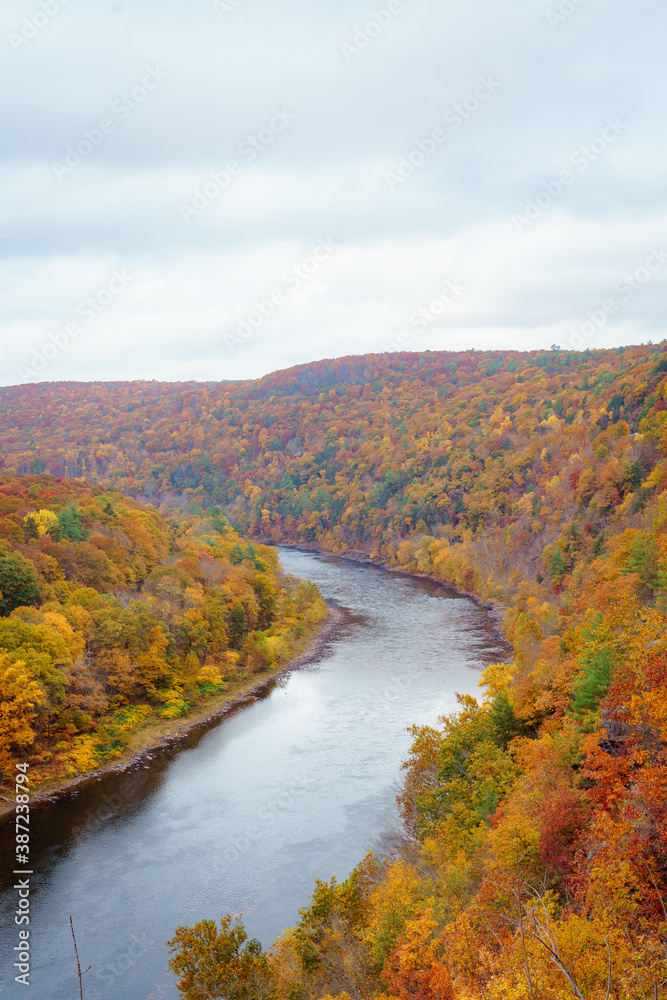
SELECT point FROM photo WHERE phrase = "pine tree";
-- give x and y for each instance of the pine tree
(661, 590)
(68, 527)
(593, 681)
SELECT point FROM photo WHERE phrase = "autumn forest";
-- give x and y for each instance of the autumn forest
(139, 584)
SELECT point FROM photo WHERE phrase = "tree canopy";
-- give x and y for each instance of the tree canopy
(535, 858)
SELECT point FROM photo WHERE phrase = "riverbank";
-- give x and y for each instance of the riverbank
(156, 734)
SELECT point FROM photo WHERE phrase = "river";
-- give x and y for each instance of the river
(245, 814)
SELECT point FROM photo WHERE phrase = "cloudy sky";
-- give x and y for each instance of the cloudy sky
(221, 188)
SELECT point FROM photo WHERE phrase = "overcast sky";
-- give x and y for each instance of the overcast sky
(215, 190)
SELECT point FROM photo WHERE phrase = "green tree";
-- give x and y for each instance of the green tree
(213, 964)
(557, 569)
(43, 652)
(109, 511)
(643, 560)
(593, 681)
(238, 625)
(220, 521)
(265, 589)
(237, 554)
(504, 721)
(30, 529)
(661, 590)
(68, 527)
(19, 584)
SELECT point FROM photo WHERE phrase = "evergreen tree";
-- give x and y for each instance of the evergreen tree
(237, 554)
(661, 590)
(557, 568)
(593, 681)
(643, 561)
(68, 527)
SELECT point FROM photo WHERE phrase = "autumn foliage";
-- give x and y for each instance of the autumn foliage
(113, 615)
(534, 864)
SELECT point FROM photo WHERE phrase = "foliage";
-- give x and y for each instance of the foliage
(19, 583)
(535, 858)
(19, 696)
(68, 525)
(114, 614)
(212, 963)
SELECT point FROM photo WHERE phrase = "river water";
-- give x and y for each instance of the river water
(245, 814)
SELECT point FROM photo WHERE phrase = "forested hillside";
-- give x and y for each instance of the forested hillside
(535, 859)
(111, 615)
(362, 451)
(499, 469)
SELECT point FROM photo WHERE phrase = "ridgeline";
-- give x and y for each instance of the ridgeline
(535, 858)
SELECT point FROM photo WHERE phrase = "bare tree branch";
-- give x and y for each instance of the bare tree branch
(78, 964)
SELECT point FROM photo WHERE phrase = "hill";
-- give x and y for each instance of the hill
(535, 858)
(515, 464)
(112, 617)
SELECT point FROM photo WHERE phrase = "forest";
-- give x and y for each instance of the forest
(112, 617)
(534, 858)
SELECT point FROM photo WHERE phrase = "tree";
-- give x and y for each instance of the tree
(30, 528)
(220, 522)
(19, 584)
(237, 554)
(643, 560)
(504, 721)
(38, 523)
(68, 526)
(593, 681)
(109, 511)
(661, 590)
(238, 625)
(43, 651)
(558, 569)
(415, 970)
(19, 696)
(213, 964)
(152, 667)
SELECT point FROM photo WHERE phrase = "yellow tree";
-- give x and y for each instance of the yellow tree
(19, 696)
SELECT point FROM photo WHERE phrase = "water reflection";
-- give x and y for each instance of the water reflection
(245, 814)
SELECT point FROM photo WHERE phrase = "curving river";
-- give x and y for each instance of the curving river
(245, 814)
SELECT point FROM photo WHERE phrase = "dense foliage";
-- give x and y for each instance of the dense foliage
(351, 451)
(110, 614)
(535, 858)
(216, 963)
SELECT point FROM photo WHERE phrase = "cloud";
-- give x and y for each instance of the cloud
(352, 120)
